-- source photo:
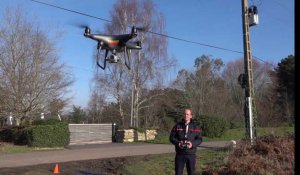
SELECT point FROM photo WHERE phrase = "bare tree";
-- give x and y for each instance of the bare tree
(263, 87)
(147, 66)
(204, 87)
(30, 75)
(96, 106)
(230, 75)
(214, 91)
(181, 79)
(55, 106)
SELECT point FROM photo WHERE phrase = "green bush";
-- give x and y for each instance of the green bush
(51, 121)
(212, 126)
(236, 124)
(167, 123)
(55, 135)
(138, 129)
(20, 137)
(13, 134)
(7, 134)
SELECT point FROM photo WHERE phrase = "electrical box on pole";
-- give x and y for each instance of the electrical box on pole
(253, 16)
(246, 79)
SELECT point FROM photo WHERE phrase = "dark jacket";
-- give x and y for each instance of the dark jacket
(178, 134)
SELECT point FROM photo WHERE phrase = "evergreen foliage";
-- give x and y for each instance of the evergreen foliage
(212, 126)
(55, 135)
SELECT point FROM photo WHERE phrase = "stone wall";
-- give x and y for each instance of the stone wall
(131, 135)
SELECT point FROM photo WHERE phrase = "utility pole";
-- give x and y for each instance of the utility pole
(132, 100)
(249, 107)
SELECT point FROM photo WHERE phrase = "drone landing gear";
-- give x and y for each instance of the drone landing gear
(98, 58)
(127, 53)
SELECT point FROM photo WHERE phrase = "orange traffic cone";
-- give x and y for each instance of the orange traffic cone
(56, 169)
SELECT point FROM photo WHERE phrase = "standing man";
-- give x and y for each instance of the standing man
(186, 136)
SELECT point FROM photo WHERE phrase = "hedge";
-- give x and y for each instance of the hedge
(54, 135)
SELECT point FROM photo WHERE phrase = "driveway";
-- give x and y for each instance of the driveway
(95, 151)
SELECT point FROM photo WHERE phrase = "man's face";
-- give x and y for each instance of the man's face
(187, 115)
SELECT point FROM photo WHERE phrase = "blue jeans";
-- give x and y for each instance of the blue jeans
(185, 159)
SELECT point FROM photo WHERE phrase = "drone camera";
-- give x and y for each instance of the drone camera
(113, 58)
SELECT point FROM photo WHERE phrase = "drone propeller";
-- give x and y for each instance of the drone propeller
(82, 26)
(86, 28)
(135, 29)
(78, 23)
(143, 29)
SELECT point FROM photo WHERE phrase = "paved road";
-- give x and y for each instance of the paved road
(96, 151)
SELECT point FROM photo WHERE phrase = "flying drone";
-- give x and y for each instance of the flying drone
(113, 45)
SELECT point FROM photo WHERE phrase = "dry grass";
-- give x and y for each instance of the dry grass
(268, 155)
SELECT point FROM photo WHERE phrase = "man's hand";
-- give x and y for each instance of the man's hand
(190, 144)
(180, 144)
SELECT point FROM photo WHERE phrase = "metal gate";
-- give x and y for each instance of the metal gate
(90, 133)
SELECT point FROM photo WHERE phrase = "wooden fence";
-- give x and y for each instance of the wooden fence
(91, 133)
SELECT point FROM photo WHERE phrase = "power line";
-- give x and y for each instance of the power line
(259, 59)
(73, 11)
(194, 42)
(164, 35)
(160, 34)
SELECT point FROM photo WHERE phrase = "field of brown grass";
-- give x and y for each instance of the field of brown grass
(266, 156)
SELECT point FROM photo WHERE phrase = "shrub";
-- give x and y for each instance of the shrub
(55, 135)
(236, 124)
(51, 121)
(137, 129)
(13, 134)
(167, 123)
(212, 126)
(20, 137)
(7, 134)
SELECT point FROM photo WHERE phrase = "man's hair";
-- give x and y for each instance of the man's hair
(189, 110)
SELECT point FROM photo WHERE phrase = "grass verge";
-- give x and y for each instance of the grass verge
(164, 163)
(7, 148)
